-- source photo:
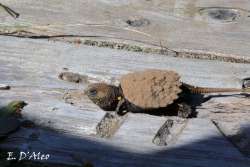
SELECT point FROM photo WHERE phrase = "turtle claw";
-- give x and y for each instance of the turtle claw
(122, 112)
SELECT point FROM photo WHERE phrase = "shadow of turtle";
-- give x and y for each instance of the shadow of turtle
(191, 100)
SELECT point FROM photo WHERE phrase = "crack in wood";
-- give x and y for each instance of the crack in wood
(152, 48)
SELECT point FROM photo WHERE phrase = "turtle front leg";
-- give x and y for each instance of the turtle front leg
(184, 110)
(121, 108)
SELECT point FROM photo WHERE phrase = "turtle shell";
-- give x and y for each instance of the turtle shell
(151, 89)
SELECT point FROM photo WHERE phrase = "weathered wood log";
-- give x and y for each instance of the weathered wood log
(67, 131)
(66, 120)
(198, 29)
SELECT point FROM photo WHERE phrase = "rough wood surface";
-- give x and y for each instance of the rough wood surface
(66, 120)
(66, 129)
(214, 29)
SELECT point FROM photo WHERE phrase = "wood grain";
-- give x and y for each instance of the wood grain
(67, 132)
(183, 25)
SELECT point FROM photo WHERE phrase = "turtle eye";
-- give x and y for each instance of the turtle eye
(92, 92)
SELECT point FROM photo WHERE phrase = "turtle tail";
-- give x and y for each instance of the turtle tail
(200, 90)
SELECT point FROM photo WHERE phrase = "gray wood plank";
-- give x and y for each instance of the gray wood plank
(30, 62)
(182, 25)
(67, 132)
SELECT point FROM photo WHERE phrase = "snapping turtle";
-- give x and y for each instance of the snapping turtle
(147, 90)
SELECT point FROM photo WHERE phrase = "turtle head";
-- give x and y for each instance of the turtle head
(104, 95)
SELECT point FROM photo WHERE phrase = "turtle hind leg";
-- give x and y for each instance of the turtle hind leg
(184, 110)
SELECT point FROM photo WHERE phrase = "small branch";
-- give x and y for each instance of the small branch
(10, 11)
